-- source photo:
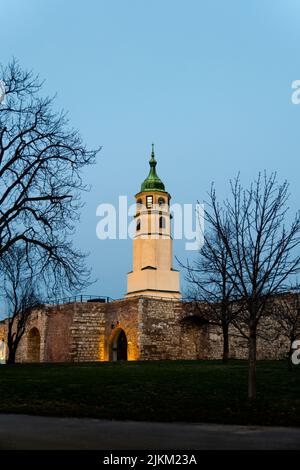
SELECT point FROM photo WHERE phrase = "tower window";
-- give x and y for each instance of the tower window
(161, 201)
(138, 225)
(139, 202)
(149, 202)
(162, 222)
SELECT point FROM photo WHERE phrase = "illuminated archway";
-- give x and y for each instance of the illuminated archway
(34, 345)
(119, 346)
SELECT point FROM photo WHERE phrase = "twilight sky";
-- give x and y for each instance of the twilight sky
(209, 82)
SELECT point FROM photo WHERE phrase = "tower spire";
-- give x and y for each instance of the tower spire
(152, 182)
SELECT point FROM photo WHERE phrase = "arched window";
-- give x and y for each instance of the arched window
(162, 222)
(138, 225)
(161, 201)
(149, 202)
(34, 345)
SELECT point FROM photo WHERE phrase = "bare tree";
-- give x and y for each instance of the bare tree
(22, 295)
(263, 251)
(287, 314)
(41, 160)
(211, 288)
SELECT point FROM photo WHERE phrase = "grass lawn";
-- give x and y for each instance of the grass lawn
(194, 391)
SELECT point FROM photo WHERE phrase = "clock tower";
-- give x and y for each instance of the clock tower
(153, 273)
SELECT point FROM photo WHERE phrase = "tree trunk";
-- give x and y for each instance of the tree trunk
(225, 328)
(13, 340)
(11, 356)
(252, 365)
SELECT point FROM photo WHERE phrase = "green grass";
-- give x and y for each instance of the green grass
(191, 391)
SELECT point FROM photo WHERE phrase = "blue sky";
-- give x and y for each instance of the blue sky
(208, 81)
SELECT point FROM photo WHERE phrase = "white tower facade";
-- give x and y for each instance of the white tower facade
(153, 272)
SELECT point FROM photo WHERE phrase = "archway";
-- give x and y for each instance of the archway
(34, 345)
(119, 346)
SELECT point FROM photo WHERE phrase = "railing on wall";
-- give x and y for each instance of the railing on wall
(105, 299)
(155, 297)
(80, 298)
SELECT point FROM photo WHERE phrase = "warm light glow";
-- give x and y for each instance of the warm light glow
(108, 349)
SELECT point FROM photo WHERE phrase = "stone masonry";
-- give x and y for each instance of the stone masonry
(155, 329)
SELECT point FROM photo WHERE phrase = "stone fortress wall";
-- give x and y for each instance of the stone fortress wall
(155, 329)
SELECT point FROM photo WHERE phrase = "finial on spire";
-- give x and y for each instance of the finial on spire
(152, 153)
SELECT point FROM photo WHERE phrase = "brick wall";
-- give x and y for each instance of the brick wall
(159, 329)
(58, 334)
(87, 331)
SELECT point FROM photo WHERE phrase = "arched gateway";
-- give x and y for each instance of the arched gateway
(118, 346)
(34, 345)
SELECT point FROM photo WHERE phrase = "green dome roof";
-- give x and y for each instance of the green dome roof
(152, 182)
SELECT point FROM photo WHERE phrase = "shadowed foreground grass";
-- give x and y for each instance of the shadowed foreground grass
(194, 391)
